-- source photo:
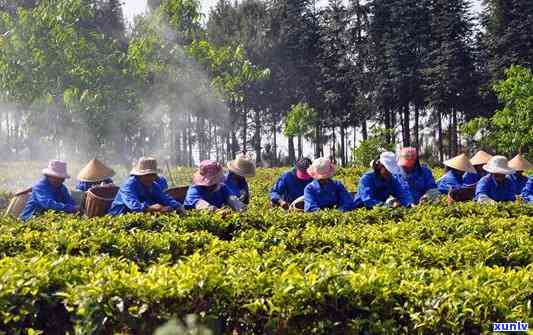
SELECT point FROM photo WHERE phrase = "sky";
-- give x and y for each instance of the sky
(134, 7)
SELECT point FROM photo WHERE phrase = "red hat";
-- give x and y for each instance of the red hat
(408, 157)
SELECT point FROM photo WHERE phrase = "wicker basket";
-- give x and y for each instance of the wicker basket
(98, 200)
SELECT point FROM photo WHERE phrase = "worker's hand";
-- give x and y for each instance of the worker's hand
(180, 210)
(154, 208)
(223, 212)
(165, 209)
(283, 204)
(396, 203)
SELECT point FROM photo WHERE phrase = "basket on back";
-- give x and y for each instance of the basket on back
(17, 204)
(178, 193)
(98, 200)
(461, 194)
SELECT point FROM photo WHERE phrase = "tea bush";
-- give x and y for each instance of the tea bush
(427, 270)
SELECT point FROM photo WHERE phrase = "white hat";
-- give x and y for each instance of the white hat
(242, 166)
(322, 168)
(461, 163)
(498, 165)
(56, 169)
(388, 160)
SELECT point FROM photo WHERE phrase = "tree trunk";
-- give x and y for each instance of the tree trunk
(364, 130)
(257, 135)
(439, 130)
(406, 126)
(417, 135)
(244, 130)
(190, 161)
(274, 145)
(300, 147)
(291, 150)
(343, 146)
(317, 141)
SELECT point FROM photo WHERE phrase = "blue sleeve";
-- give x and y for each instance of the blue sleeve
(401, 191)
(192, 197)
(227, 193)
(279, 189)
(482, 189)
(131, 199)
(429, 180)
(527, 191)
(68, 198)
(46, 200)
(346, 200)
(366, 194)
(311, 203)
(162, 183)
(165, 199)
(443, 185)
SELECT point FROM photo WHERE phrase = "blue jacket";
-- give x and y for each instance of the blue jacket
(84, 186)
(487, 186)
(45, 197)
(133, 196)
(451, 180)
(162, 182)
(420, 180)
(527, 191)
(471, 178)
(331, 195)
(519, 182)
(288, 187)
(237, 188)
(374, 190)
(196, 193)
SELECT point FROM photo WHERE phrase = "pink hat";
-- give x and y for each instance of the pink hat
(322, 168)
(57, 169)
(408, 157)
(209, 173)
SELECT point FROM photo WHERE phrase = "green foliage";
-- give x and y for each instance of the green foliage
(509, 130)
(369, 149)
(191, 327)
(300, 120)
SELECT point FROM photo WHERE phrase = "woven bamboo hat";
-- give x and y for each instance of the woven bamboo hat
(461, 163)
(145, 166)
(480, 158)
(95, 171)
(242, 166)
(519, 163)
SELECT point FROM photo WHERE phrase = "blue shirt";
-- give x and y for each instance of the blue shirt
(331, 195)
(45, 197)
(238, 188)
(196, 193)
(519, 182)
(420, 180)
(162, 182)
(527, 191)
(288, 187)
(133, 196)
(471, 178)
(374, 190)
(487, 186)
(84, 186)
(451, 180)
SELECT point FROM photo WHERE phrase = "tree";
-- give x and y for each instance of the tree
(510, 129)
(299, 123)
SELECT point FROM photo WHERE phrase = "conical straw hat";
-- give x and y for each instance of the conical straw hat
(519, 163)
(95, 171)
(460, 163)
(480, 158)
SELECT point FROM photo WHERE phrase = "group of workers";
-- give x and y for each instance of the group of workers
(391, 182)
